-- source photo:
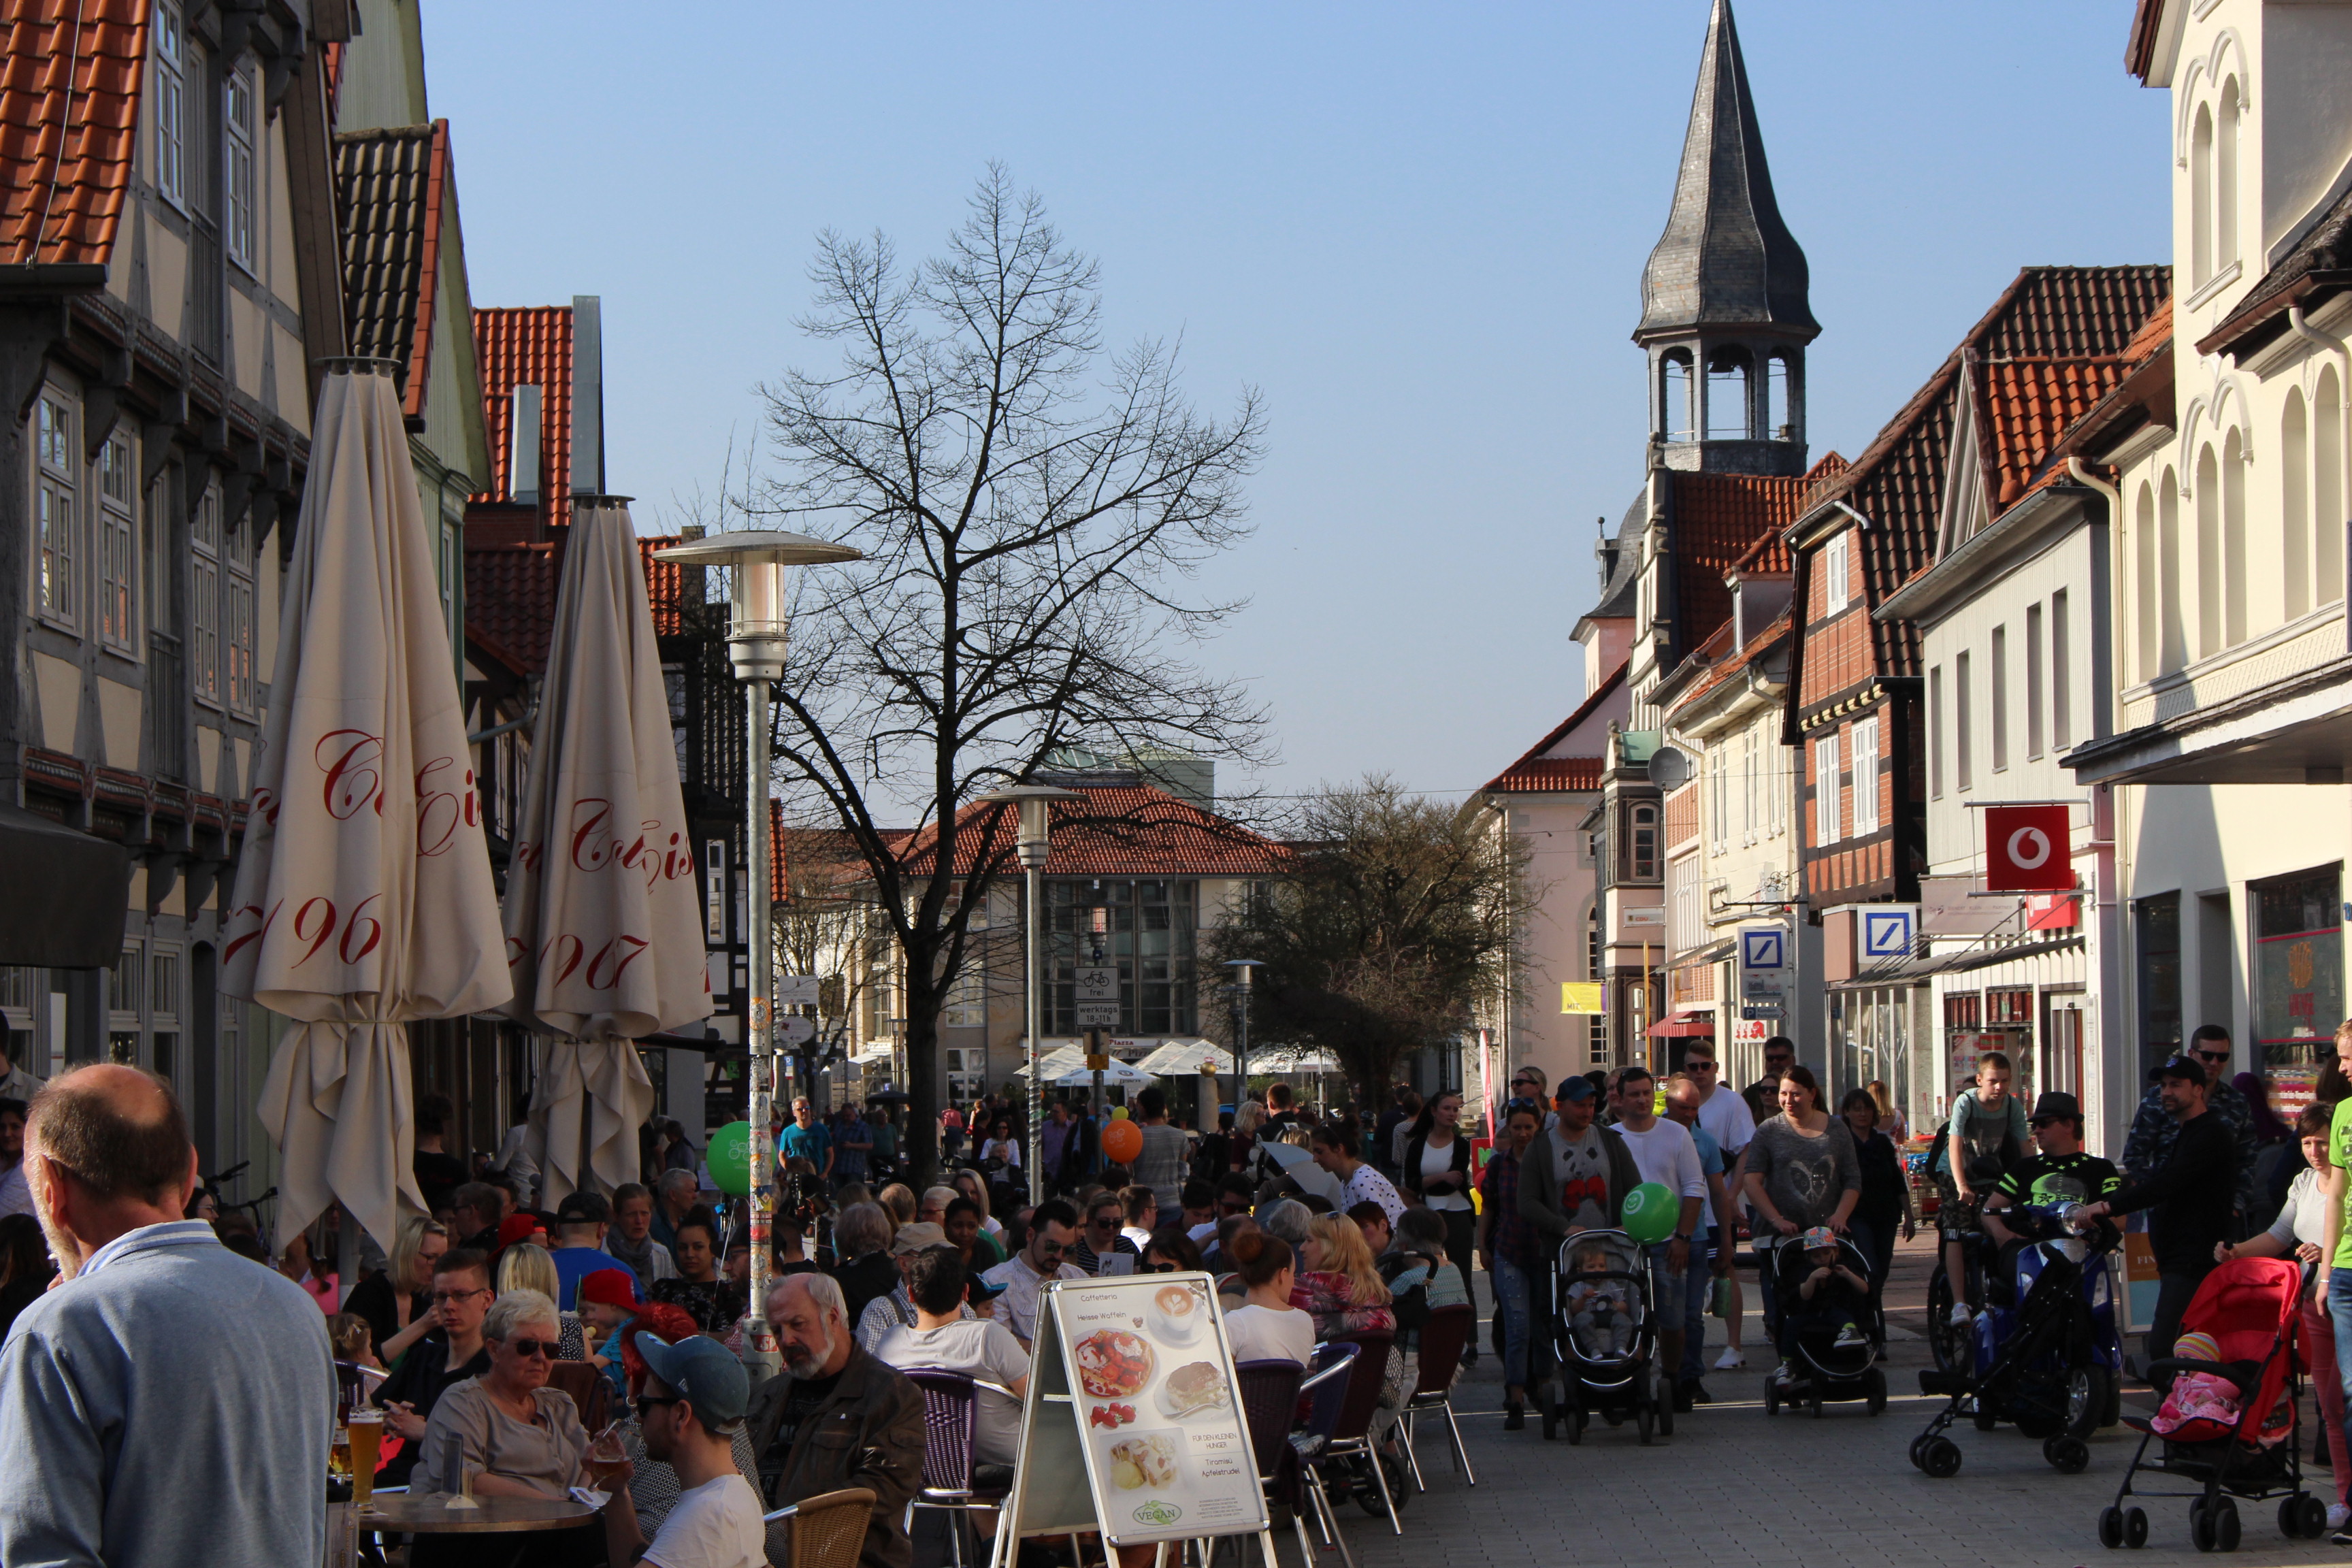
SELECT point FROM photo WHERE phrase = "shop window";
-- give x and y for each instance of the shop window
(2298, 977)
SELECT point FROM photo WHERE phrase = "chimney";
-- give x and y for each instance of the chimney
(1607, 552)
(587, 395)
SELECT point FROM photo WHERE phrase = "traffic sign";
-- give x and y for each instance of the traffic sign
(796, 990)
(1098, 1015)
(794, 1030)
(1772, 1010)
(1097, 983)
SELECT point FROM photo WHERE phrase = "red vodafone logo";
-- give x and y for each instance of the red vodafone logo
(2026, 850)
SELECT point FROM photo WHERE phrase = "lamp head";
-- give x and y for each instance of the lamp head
(757, 607)
(1035, 803)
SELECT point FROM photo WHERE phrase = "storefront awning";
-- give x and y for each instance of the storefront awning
(1713, 953)
(1916, 969)
(83, 889)
(1679, 1025)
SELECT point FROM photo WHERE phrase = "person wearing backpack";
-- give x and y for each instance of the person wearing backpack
(1986, 1135)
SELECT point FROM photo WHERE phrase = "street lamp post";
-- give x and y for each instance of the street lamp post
(757, 618)
(1035, 843)
(1242, 968)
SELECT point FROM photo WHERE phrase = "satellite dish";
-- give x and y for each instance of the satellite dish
(1670, 769)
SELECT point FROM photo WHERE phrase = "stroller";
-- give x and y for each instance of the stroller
(2250, 1306)
(1819, 1368)
(1604, 1338)
(2047, 1352)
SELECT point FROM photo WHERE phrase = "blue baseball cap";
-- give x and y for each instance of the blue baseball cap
(1575, 1086)
(703, 1372)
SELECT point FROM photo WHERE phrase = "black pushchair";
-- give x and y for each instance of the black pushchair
(1604, 1336)
(1821, 1370)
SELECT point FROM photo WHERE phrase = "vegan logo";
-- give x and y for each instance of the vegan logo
(1158, 1513)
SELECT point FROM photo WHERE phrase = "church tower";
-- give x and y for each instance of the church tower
(1724, 313)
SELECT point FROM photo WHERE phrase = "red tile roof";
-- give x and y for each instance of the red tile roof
(1718, 519)
(1534, 773)
(2025, 406)
(530, 345)
(391, 185)
(1117, 830)
(1732, 661)
(1897, 482)
(1769, 556)
(510, 598)
(70, 87)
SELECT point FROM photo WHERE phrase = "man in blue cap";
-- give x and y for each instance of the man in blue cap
(692, 1407)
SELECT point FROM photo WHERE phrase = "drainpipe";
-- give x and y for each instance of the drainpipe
(2107, 872)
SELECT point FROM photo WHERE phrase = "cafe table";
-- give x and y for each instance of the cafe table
(426, 1513)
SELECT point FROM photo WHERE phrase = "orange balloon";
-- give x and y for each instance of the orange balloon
(1122, 1142)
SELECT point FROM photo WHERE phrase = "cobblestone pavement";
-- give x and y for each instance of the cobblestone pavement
(1733, 1486)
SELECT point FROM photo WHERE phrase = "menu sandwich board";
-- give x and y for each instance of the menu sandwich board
(1133, 1425)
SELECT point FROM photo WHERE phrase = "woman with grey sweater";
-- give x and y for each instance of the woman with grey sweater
(1801, 1168)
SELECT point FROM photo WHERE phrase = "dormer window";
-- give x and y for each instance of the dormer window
(1837, 571)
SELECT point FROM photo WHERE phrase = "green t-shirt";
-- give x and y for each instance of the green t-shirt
(2339, 1148)
(2045, 1179)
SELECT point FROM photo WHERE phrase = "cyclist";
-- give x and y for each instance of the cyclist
(1985, 1136)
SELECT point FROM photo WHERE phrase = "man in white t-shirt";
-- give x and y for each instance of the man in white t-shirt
(693, 1404)
(981, 1347)
(1663, 1152)
(1724, 1112)
(1053, 1225)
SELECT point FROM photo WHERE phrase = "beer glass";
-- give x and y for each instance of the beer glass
(363, 1437)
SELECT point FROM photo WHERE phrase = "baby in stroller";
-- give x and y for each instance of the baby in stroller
(1823, 1298)
(2204, 1396)
(1602, 1310)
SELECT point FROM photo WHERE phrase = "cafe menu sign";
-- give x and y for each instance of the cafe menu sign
(1133, 1424)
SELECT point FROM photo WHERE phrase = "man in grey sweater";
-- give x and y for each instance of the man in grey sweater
(168, 1403)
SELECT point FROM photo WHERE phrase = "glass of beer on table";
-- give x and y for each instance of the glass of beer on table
(363, 1438)
(606, 1455)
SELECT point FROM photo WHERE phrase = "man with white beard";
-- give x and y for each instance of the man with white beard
(871, 1418)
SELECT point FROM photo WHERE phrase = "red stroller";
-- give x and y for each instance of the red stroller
(2250, 1307)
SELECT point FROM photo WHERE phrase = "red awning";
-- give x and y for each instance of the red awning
(1677, 1025)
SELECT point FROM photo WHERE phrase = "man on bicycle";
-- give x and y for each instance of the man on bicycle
(1987, 1135)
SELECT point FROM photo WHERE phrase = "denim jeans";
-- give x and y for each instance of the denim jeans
(1511, 1286)
(1877, 1243)
(1680, 1299)
(2340, 1312)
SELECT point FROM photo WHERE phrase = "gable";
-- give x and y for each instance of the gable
(1571, 755)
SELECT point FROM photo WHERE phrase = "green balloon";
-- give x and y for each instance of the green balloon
(1651, 1212)
(731, 1159)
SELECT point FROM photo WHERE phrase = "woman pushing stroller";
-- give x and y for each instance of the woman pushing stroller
(1801, 1176)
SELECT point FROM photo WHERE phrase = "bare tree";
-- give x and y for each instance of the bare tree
(1395, 925)
(1031, 508)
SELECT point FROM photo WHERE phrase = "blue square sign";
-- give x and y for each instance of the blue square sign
(1889, 933)
(1763, 947)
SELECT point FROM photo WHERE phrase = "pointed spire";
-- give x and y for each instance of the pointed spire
(1725, 257)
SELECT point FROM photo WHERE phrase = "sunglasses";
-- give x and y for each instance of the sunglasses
(1697, 1064)
(1160, 1267)
(549, 1349)
(646, 1403)
(2212, 1056)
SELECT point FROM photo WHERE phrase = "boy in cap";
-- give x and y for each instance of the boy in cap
(692, 1407)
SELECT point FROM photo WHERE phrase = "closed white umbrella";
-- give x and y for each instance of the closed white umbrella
(602, 924)
(363, 896)
(1118, 1075)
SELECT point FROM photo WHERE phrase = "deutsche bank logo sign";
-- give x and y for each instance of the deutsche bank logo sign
(1763, 948)
(1889, 933)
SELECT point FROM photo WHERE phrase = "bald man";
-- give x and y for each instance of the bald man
(167, 1402)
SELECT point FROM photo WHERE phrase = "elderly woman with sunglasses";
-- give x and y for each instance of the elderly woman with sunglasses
(516, 1436)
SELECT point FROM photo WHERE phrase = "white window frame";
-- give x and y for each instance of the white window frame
(204, 597)
(239, 183)
(170, 105)
(1827, 820)
(118, 545)
(237, 646)
(965, 1007)
(1837, 572)
(1865, 777)
(56, 511)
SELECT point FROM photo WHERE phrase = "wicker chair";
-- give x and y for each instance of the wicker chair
(827, 1531)
(1441, 1339)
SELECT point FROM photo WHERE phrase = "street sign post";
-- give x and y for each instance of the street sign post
(1097, 996)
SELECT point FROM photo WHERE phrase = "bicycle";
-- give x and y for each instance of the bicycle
(249, 1206)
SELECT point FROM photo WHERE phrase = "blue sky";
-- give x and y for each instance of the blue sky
(1418, 231)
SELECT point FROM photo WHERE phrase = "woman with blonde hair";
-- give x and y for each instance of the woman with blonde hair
(1890, 1116)
(398, 1301)
(1339, 1285)
(527, 1266)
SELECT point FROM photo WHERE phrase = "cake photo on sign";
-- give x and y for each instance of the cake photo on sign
(1113, 1363)
(1146, 1460)
(1193, 1388)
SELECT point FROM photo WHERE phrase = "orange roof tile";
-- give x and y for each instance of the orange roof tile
(1117, 830)
(1732, 661)
(524, 346)
(69, 89)
(1718, 519)
(510, 598)
(1532, 773)
(2026, 405)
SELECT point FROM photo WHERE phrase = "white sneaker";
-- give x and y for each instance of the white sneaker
(1731, 1357)
(1961, 1317)
(1782, 1375)
(1851, 1337)
(2338, 1516)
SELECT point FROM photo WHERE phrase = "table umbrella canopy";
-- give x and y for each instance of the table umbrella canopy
(363, 896)
(604, 925)
(1178, 1058)
(1118, 1075)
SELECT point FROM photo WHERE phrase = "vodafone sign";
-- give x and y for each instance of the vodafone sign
(2028, 849)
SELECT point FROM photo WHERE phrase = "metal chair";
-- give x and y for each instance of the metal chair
(827, 1531)
(1328, 1382)
(1352, 1438)
(950, 1399)
(1447, 1330)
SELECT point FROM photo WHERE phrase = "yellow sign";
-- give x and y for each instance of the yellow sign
(1098, 1064)
(1580, 997)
